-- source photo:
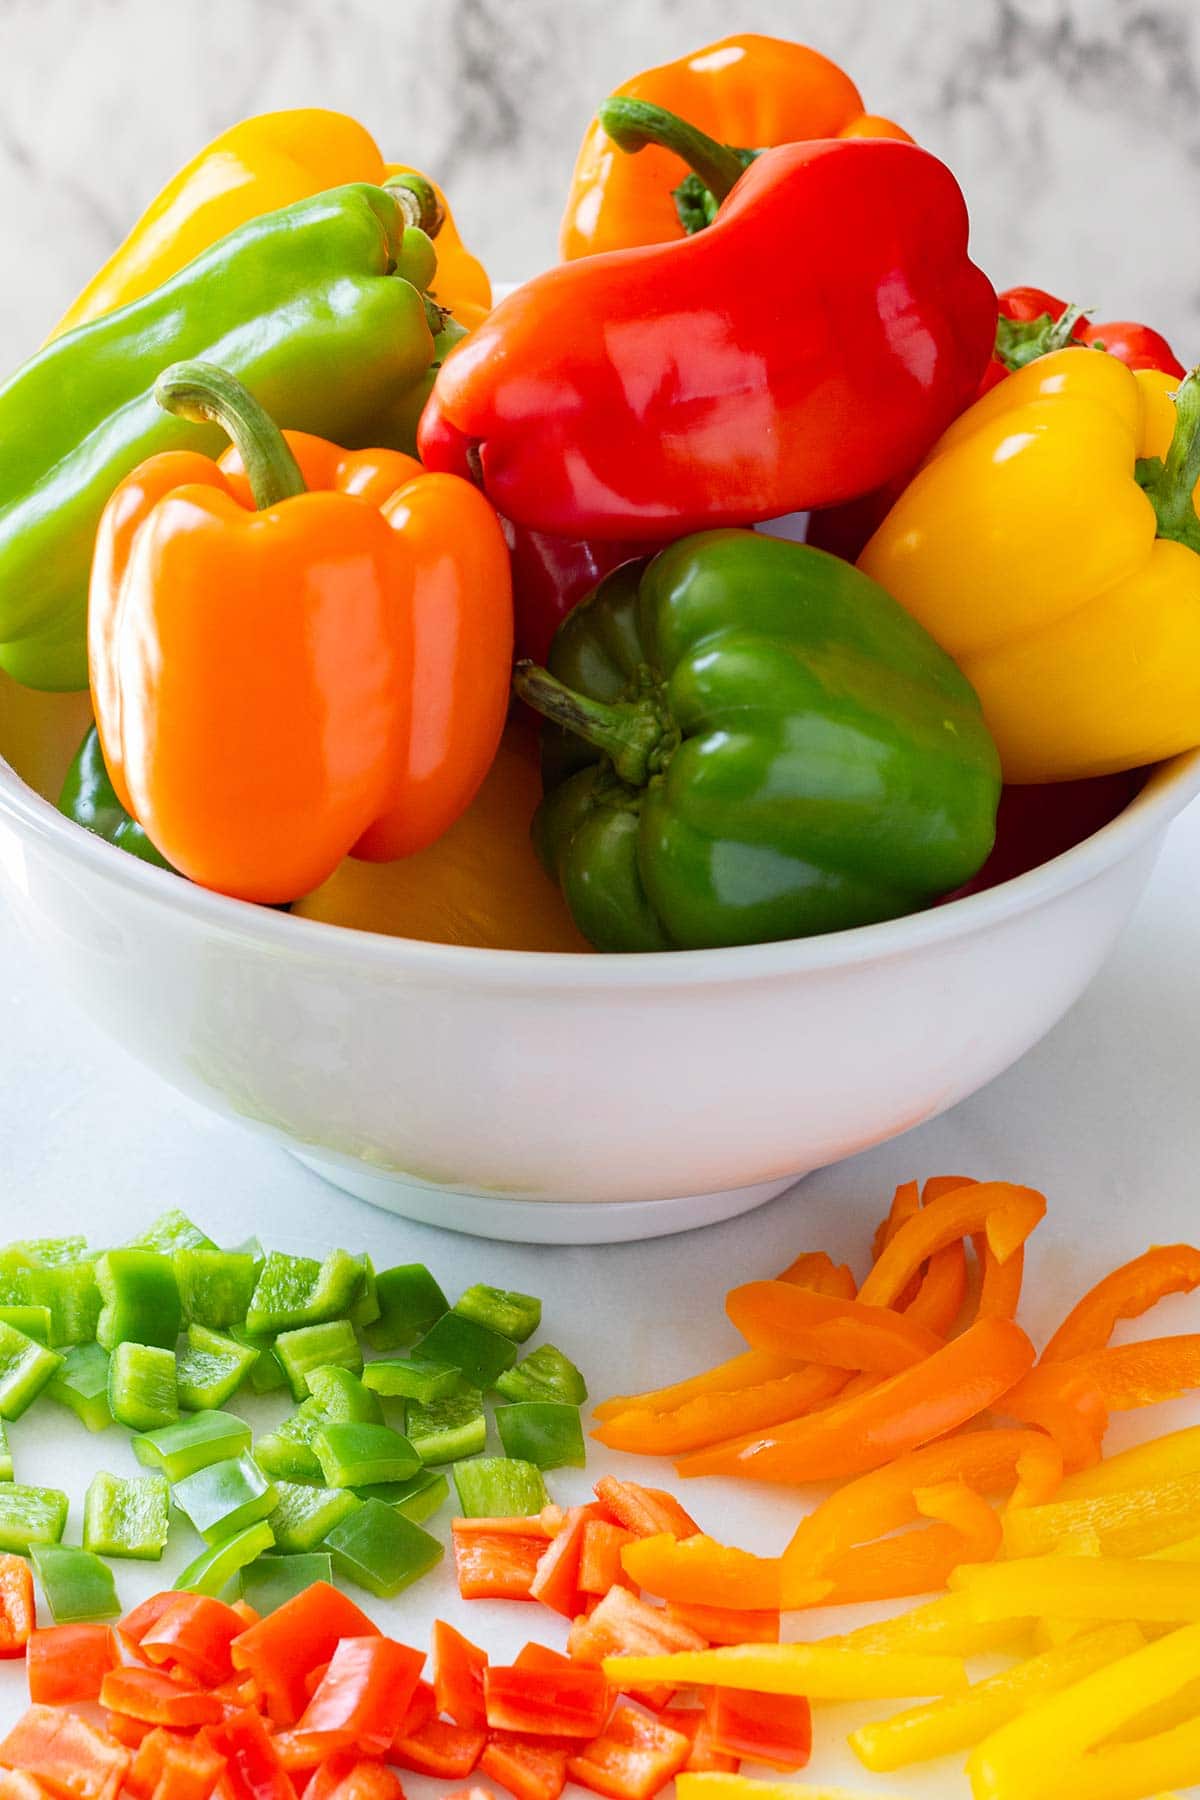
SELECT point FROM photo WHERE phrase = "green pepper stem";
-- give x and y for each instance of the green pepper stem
(632, 124)
(629, 732)
(211, 396)
(418, 201)
(1170, 481)
(1021, 341)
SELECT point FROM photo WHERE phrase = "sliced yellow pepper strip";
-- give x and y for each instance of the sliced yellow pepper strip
(943, 1627)
(1126, 1771)
(1082, 1587)
(1145, 1465)
(1044, 1752)
(1129, 1522)
(1177, 1709)
(742, 1787)
(820, 1671)
(956, 1723)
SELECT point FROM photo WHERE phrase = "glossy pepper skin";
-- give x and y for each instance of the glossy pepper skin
(747, 91)
(551, 575)
(760, 748)
(257, 167)
(1050, 543)
(89, 797)
(805, 348)
(310, 306)
(276, 688)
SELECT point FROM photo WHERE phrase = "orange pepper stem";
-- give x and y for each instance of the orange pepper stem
(634, 734)
(208, 395)
(419, 201)
(1169, 481)
(632, 124)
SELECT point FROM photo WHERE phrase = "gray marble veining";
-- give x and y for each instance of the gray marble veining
(1073, 125)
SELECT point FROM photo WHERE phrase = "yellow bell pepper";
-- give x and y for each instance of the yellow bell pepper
(943, 1627)
(254, 168)
(961, 1720)
(1145, 1465)
(1043, 546)
(1048, 1752)
(1082, 1587)
(1130, 1522)
(819, 1671)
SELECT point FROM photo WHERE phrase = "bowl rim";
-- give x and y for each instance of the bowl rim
(1171, 785)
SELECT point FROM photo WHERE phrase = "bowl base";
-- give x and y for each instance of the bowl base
(542, 1221)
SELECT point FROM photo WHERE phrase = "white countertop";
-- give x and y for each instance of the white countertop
(1103, 1116)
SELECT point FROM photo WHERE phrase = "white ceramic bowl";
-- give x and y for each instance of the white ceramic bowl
(549, 1097)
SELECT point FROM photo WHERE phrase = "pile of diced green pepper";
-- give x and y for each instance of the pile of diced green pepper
(161, 1334)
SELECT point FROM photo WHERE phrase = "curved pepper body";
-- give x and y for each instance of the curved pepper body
(304, 305)
(809, 762)
(1026, 547)
(89, 797)
(748, 90)
(807, 346)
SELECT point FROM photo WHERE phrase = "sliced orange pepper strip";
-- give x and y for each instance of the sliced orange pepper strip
(1126, 1293)
(845, 1334)
(966, 1530)
(897, 1415)
(814, 1269)
(906, 1203)
(941, 1292)
(1000, 1288)
(1067, 1403)
(1005, 1212)
(1128, 1376)
(712, 1418)
(700, 1571)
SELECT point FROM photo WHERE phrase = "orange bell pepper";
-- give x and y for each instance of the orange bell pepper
(276, 688)
(958, 1383)
(1003, 1211)
(747, 91)
(964, 1529)
(935, 1298)
(716, 1417)
(700, 1571)
(1067, 1404)
(1126, 1293)
(775, 1315)
(1128, 1376)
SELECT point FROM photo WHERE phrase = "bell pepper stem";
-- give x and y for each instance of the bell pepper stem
(418, 201)
(632, 124)
(208, 395)
(629, 732)
(1170, 481)
(1022, 341)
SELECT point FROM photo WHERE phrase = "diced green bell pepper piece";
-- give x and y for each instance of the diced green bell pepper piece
(25, 1369)
(296, 1290)
(172, 1231)
(343, 1397)
(33, 1321)
(460, 1343)
(225, 1498)
(380, 1550)
(267, 1376)
(6, 1460)
(82, 1385)
(409, 1301)
(142, 1390)
(546, 1433)
(545, 1374)
(72, 1295)
(211, 1369)
(446, 1430)
(358, 1455)
(52, 1253)
(127, 1516)
(214, 1569)
(499, 1487)
(179, 1450)
(31, 1515)
(271, 1581)
(512, 1315)
(215, 1286)
(303, 1514)
(77, 1585)
(366, 1309)
(16, 1277)
(287, 1453)
(140, 1299)
(417, 1499)
(331, 1345)
(405, 1377)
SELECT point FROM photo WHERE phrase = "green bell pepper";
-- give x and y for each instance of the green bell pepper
(127, 1516)
(77, 1585)
(215, 1567)
(499, 1487)
(760, 744)
(311, 307)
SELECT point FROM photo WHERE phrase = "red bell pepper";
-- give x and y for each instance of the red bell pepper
(134, 1626)
(364, 1695)
(703, 1757)
(569, 1702)
(600, 1561)
(1032, 322)
(421, 1708)
(448, 1751)
(158, 1699)
(725, 1624)
(644, 1511)
(350, 1777)
(69, 1755)
(540, 1656)
(633, 1758)
(253, 1770)
(65, 1664)
(195, 1634)
(495, 1565)
(808, 346)
(528, 1768)
(551, 575)
(282, 1649)
(167, 1767)
(767, 1728)
(458, 1667)
(18, 1613)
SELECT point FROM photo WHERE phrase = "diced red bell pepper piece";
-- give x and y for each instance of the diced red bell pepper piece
(540, 1656)
(253, 1768)
(130, 1732)
(248, 1614)
(600, 1563)
(634, 1758)
(364, 1696)
(556, 1579)
(643, 1510)
(571, 1703)
(167, 1767)
(546, 1524)
(458, 1667)
(421, 1708)
(125, 1652)
(439, 1748)
(195, 1634)
(137, 1623)
(625, 1625)
(313, 1680)
(16, 1785)
(768, 1728)
(67, 1663)
(528, 1769)
(18, 1612)
(722, 1625)
(703, 1759)
(496, 1565)
(154, 1696)
(349, 1776)
(285, 1646)
(69, 1755)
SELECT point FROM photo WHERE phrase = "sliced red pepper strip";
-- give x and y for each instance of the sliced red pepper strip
(1065, 1401)
(458, 1667)
(643, 1510)
(713, 1418)
(439, 1748)
(253, 1769)
(704, 1572)
(725, 1624)
(18, 1611)
(1128, 1376)
(65, 1664)
(633, 1759)
(282, 1649)
(1005, 1212)
(600, 1559)
(363, 1696)
(958, 1383)
(842, 1334)
(1126, 1293)
(570, 1702)
(158, 1699)
(556, 1579)
(768, 1728)
(495, 1565)
(195, 1633)
(528, 1769)
(69, 1755)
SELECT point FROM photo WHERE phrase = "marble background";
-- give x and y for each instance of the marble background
(1073, 125)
